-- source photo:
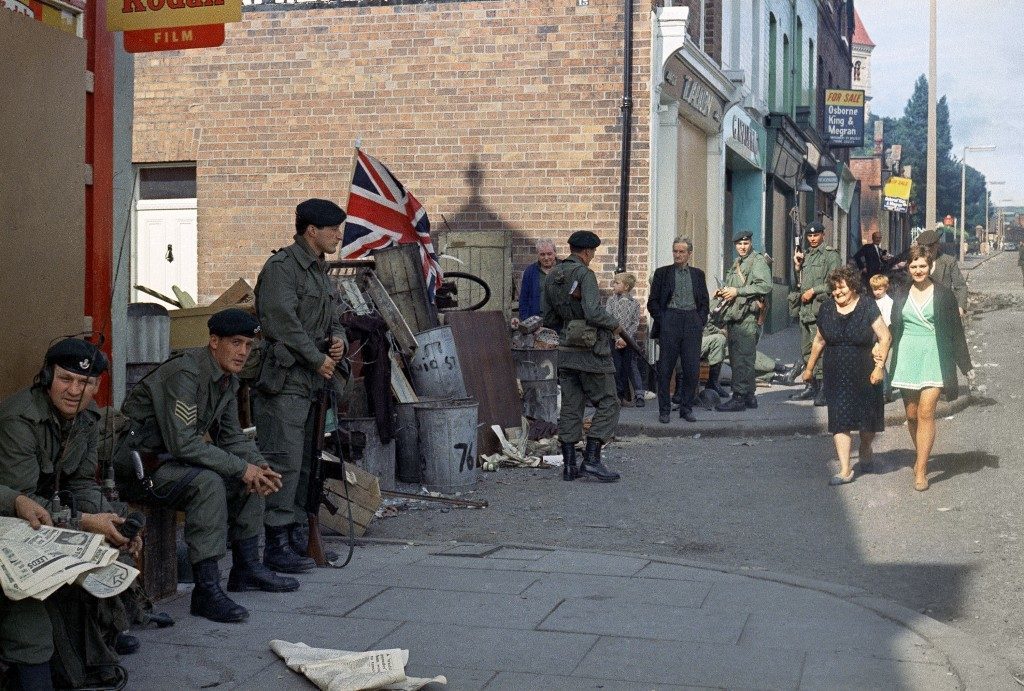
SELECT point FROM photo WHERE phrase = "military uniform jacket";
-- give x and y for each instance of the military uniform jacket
(946, 272)
(752, 279)
(819, 262)
(559, 308)
(36, 445)
(296, 307)
(181, 404)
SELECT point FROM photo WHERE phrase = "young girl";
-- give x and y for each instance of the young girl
(626, 310)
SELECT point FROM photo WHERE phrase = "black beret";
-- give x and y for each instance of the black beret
(742, 235)
(233, 322)
(77, 356)
(584, 240)
(928, 237)
(814, 228)
(320, 213)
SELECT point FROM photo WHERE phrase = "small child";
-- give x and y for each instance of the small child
(879, 287)
(626, 310)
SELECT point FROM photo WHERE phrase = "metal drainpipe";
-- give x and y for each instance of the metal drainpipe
(627, 127)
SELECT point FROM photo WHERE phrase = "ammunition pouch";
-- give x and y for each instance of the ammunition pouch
(276, 361)
(793, 301)
(579, 334)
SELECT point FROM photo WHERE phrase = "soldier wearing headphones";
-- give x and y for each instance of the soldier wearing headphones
(48, 440)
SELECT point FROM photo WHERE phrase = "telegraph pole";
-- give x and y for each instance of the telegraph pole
(932, 178)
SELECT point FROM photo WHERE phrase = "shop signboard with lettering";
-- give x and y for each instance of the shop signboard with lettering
(131, 15)
(844, 117)
(176, 38)
(897, 194)
(699, 101)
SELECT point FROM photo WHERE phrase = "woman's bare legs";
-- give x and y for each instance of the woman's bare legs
(866, 452)
(920, 407)
(843, 443)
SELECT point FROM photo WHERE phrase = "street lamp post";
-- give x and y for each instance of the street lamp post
(963, 193)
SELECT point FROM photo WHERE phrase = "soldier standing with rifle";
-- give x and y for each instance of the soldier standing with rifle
(570, 304)
(183, 426)
(744, 295)
(813, 267)
(304, 344)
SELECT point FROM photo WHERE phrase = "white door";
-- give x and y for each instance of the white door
(166, 248)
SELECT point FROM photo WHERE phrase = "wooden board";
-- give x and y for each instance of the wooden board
(364, 493)
(240, 291)
(400, 385)
(159, 562)
(487, 254)
(401, 274)
(485, 353)
(390, 313)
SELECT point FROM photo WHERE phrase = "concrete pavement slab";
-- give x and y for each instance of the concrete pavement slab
(320, 598)
(514, 681)
(461, 608)
(194, 667)
(631, 589)
(441, 646)
(642, 620)
(843, 671)
(868, 634)
(683, 572)
(587, 562)
(518, 553)
(693, 664)
(454, 579)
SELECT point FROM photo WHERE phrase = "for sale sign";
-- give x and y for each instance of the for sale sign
(844, 117)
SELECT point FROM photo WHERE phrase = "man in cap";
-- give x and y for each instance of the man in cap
(183, 422)
(678, 304)
(813, 265)
(302, 351)
(745, 295)
(944, 269)
(49, 434)
(570, 304)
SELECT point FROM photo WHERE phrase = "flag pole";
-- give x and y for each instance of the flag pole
(348, 194)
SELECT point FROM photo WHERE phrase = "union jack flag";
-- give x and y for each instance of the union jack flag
(382, 213)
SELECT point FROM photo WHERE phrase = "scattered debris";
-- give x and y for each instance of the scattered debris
(343, 670)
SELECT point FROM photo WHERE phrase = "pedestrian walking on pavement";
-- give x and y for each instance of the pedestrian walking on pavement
(1020, 257)
(571, 305)
(813, 266)
(626, 310)
(928, 346)
(679, 305)
(744, 295)
(848, 327)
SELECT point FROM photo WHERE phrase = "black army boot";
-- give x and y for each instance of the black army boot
(298, 538)
(32, 677)
(592, 463)
(278, 554)
(736, 404)
(819, 395)
(568, 461)
(751, 401)
(809, 393)
(248, 573)
(714, 372)
(791, 376)
(208, 600)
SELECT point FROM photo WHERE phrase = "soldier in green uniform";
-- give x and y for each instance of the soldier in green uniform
(48, 440)
(183, 421)
(746, 289)
(813, 267)
(303, 345)
(570, 304)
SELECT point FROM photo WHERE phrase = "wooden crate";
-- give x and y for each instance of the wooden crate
(364, 493)
(159, 562)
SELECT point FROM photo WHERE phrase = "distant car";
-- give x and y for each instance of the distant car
(1009, 246)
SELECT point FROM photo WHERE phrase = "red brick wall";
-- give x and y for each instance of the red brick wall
(869, 172)
(493, 114)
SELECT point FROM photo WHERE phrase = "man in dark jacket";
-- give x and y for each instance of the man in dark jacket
(533, 279)
(871, 258)
(678, 303)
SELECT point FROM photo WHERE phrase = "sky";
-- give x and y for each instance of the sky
(980, 62)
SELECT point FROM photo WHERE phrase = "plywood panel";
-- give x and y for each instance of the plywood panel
(42, 192)
(487, 254)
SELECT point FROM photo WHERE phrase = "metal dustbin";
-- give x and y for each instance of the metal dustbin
(378, 459)
(407, 442)
(435, 365)
(535, 364)
(448, 451)
(540, 400)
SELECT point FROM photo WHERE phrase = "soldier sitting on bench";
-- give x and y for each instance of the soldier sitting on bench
(184, 423)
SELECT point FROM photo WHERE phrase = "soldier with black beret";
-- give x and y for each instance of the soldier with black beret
(49, 435)
(746, 289)
(302, 352)
(570, 304)
(813, 267)
(184, 425)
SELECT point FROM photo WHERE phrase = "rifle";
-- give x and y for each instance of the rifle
(315, 496)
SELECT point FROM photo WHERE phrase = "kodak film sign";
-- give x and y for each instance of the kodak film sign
(129, 15)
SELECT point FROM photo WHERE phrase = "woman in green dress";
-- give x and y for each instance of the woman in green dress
(928, 347)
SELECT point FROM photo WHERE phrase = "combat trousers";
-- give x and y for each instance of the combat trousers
(807, 332)
(680, 341)
(217, 509)
(577, 388)
(26, 635)
(743, 336)
(284, 433)
(713, 349)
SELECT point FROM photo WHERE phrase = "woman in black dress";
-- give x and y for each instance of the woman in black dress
(855, 341)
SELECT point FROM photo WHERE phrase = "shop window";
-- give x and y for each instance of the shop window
(856, 71)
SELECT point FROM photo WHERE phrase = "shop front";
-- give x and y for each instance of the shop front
(745, 143)
(787, 152)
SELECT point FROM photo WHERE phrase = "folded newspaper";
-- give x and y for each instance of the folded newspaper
(37, 563)
(342, 670)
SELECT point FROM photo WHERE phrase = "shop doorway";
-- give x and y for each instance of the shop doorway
(165, 242)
